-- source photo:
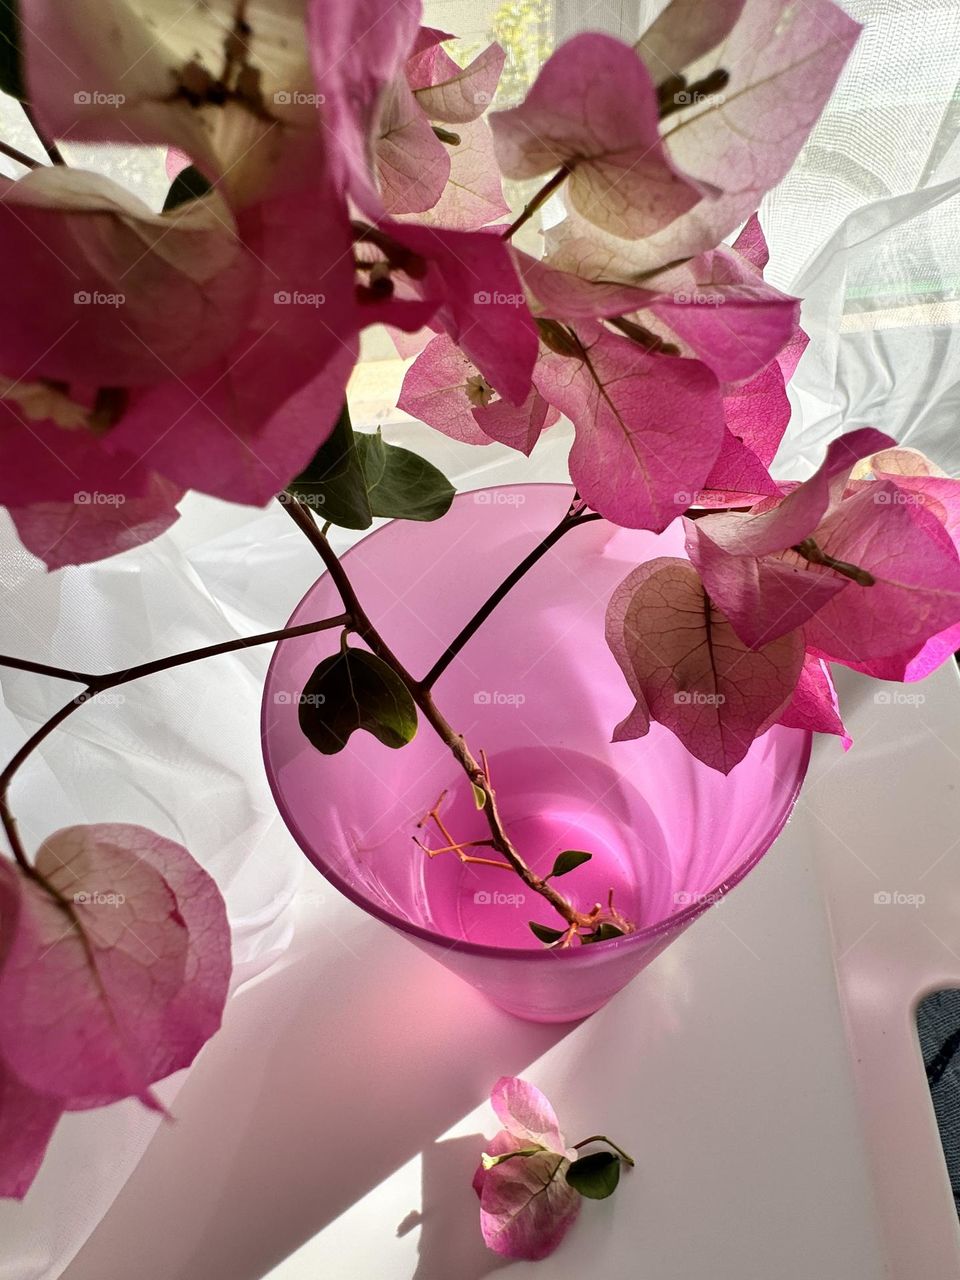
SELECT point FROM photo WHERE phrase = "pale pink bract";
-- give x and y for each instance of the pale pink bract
(526, 1204)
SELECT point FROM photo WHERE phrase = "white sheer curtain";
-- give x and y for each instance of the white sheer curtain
(866, 228)
(625, 19)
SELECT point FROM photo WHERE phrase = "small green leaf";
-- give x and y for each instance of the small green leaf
(355, 476)
(479, 796)
(603, 933)
(189, 184)
(488, 1161)
(11, 63)
(595, 1176)
(544, 932)
(351, 690)
(402, 485)
(334, 484)
(568, 861)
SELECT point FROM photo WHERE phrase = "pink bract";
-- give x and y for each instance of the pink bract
(740, 140)
(526, 1113)
(526, 1204)
(648, 427)
(473, 196)
(916, 571)
(108, 989)
(224, 346)
(593, 110)
(413, 165)
(443, 389)
(356, 50)
(94, 1007)
(471, 278)
(814, 705)
(738, 555)
(449, 93)
(688, 669)
(728, 315)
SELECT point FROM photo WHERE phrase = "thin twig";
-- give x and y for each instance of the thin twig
(456, 846)
(44, 669)
(473, 625)
(48, 144)
(21, 157)
(599, 1137)
(542, 196)
(464, 857)
(98, 684)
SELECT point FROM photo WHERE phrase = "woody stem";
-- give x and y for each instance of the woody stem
(420, 692)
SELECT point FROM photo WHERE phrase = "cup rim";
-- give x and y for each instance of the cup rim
(679, 919)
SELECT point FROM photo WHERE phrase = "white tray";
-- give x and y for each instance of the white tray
(764, 1072)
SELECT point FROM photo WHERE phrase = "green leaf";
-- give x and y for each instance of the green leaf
(603, 933)
(334, 484)
(479, 796)
(544, 932)
(11, 64)
(354, 477)
(402, 485)
(568, 861)
(595, 1176)
(189, 184)
(351, 690)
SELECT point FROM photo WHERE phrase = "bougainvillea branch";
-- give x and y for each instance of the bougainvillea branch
(21, 157)
(48, 144)
(537, 201)
(420, 692)
(575, 517)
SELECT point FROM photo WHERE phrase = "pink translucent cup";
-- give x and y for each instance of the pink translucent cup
(539, 691)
